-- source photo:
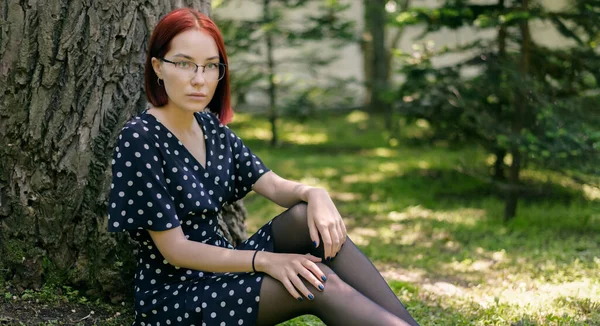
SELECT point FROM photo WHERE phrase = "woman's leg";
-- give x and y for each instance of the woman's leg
(338, 304)
(291, 235)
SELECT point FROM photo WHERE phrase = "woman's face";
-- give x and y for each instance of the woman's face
(186, 89)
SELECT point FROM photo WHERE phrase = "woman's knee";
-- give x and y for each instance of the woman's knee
(299, 211)
(333, 282)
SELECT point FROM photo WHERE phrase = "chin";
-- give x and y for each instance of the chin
(195, 107)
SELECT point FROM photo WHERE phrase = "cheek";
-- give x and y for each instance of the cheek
(173, 85)
(212, 87)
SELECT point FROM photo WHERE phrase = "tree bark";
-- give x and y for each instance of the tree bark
(71, 74)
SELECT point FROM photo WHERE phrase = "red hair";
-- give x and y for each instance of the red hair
(175, 22)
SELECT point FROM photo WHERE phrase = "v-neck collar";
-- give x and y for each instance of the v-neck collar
(201, 122)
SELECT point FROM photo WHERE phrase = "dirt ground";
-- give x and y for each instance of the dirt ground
(24, 312)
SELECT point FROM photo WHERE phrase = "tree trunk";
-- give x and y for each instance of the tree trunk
(376, 58)
(273, 114)
(71, 74)
(500, 153)
(519, 119)
(498, 173)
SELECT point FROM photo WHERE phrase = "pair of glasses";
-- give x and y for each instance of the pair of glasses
(212, 71)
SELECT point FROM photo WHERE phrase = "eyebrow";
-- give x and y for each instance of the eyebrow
(190, 58)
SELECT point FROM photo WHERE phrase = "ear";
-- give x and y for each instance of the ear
(156, 65)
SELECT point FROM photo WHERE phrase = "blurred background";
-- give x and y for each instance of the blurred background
(459, 140)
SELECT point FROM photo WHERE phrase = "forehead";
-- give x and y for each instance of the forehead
(195, 43)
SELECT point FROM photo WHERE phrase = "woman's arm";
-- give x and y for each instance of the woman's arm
(181, 252)
(282, 192)
(323, 217)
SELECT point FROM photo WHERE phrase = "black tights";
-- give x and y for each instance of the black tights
(355, 293)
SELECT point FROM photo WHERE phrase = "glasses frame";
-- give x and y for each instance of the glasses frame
(198, 66)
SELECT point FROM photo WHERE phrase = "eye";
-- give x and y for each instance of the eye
(183, 64)
(212, 66)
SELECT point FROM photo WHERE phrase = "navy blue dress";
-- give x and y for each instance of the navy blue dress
(158, 185)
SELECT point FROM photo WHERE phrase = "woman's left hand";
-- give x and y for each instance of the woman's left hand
(325, 220)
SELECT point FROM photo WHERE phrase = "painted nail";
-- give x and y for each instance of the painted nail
(310, 297)
(324, 278)
(315, 244)
(321, 287)
(299, 298)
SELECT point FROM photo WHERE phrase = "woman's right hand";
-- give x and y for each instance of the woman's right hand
(287, 268)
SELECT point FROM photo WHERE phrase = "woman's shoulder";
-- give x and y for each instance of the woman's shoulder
(137, 129)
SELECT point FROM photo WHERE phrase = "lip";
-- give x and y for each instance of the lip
(197, 95)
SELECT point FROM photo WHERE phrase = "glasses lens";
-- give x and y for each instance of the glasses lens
(221, 71)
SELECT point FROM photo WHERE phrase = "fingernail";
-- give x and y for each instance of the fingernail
(321, 287)
(324, 278)
(315, 244)
(299, 298)
(310, 297)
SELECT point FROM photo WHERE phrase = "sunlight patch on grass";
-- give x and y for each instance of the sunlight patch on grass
(345, 196)
(306, 138)
(591, 193)
(357, 116)
(258, 133)
(380, 152)
(466, 216)
(372, 177)
(389, 167)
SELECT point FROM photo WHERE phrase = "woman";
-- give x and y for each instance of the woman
(176, 164)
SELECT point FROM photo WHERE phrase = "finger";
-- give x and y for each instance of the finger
(342, 234)
(335, 241)
(314, 233)
(316, 271)
(298, 284)
(313, 258)
(291, 289)
(326, 236)
(311, 278)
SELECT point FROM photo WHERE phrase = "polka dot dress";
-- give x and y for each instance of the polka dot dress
(158, 185)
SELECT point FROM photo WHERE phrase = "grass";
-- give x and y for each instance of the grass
(434, 228)
(428, 220)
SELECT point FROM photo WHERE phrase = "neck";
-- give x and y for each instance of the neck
(178, 120)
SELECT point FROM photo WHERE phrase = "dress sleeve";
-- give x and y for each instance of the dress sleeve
(139, 198)
(248, 167)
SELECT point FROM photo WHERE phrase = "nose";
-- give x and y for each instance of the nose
(198, 77)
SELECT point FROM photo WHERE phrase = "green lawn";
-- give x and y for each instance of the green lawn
(426, 217)
(434, 226)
